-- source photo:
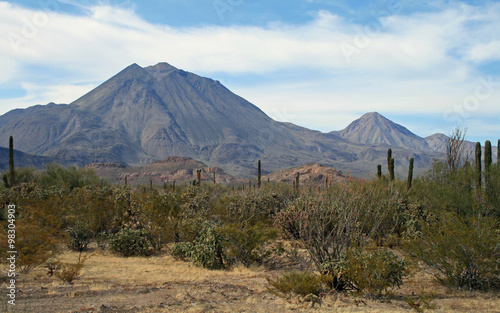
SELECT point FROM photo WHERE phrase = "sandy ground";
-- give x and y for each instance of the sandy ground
(161, 284)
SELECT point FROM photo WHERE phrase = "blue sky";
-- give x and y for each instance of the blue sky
(428, 65)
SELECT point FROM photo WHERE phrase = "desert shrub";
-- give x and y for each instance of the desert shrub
(255, 206)
(296, 283)
(195, 203)
(463, 252)
(100, 209)
(79, 237)
(131, 242)
(160, 215)
(34, 245)
(69, 177)
(182, 251)
(37, 235)
(454, 192)
(328, 222)
(248, 244)
(366, 272)
(67, 272)
(206, 249)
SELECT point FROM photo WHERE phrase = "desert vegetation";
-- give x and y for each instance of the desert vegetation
(358, 238)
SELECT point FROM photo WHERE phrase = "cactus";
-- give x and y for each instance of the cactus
(11, 162)
(389, 157)
(379, 172)
(498, 153)
(214, 178)
(198, 178)
(487, 161)
(259, 175)
(297, 181)
(391, 169)
(478, 166)
(410, 174)
(126, 180)
(151, 184)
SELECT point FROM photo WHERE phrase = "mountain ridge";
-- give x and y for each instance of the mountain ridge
(141, 115)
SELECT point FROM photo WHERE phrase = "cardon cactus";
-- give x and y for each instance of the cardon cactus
(478, 166)
(410, 174)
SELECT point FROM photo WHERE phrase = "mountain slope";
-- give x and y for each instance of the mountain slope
(373, 128)
(141, 115)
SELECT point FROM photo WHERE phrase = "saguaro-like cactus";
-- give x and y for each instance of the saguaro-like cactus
(12, 170)
(198, 178)
(297, 181)
(488, 160)
(478, 166)
(214, 178)
(379, 171)
(498, 153)
(259, 175)
(391, 169)
(126, 180)
(410, 174)
(389, 157)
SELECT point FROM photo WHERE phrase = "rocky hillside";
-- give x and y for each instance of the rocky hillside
(178, 169)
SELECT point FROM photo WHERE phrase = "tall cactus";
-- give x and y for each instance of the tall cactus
(259, 175)
(214, 178)
(12, 169)
(198, 178)
(297, 177)
(379, 171)
(410, 174)
(478, 167)
(391, 169)
(498, 154)
(488, 160)
(389, 157)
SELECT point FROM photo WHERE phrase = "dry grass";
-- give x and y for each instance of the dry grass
(109, 283)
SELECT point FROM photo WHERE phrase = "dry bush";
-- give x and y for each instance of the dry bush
(330, 221)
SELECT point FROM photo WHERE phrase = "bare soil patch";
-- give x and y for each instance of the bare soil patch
(110, 283)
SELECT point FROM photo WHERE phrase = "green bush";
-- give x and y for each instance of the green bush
(248, 245)
(464, 252)
(131, 242)
(182, 251)
(208, 248)
(327, 222)
(79, 237)
(366, 272)
(205, 250)
(296, 283)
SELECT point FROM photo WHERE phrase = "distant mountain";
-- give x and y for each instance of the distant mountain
(437, 142)
(372, 128)
(22, 159)
(142, 115)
